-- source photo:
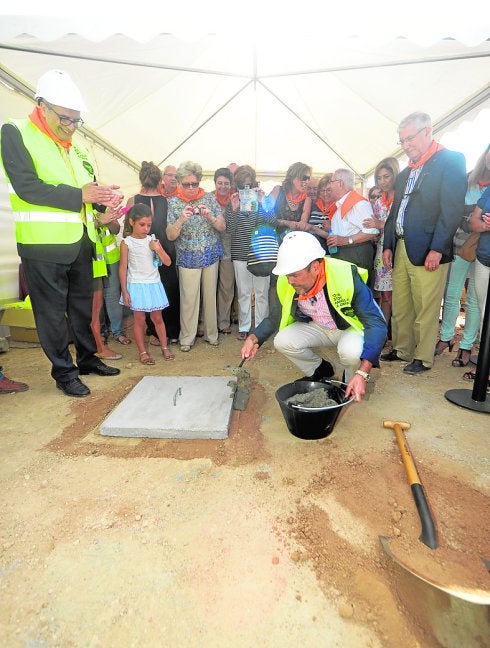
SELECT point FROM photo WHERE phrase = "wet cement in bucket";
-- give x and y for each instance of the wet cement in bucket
(315, 418)
(314, 399)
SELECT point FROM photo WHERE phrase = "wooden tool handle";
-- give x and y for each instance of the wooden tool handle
(412, 474)
(428, 534)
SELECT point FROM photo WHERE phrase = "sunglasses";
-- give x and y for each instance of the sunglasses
(194, 185)
(305, 178)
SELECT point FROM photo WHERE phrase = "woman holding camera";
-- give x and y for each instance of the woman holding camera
(194, 222)
(290, 202)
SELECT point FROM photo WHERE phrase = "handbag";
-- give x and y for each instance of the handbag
(262, 253)
(468, 250)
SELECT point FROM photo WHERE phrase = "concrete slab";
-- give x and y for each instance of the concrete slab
(174, 407)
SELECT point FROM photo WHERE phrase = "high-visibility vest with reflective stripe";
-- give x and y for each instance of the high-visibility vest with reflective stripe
(99, 266)
(39, 224)
(109, 243)
(340, 288)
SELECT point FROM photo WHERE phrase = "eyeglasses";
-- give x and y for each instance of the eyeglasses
(304, 178)
(64, 120)
(410, 138)
(194, 185)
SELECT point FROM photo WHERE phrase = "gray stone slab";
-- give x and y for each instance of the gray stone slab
(174, 407)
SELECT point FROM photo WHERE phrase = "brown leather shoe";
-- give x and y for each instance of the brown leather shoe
(8, 386)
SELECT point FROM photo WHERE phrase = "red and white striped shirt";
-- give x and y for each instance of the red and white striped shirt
(317, 309)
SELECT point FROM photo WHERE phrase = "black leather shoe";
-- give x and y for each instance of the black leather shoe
(391, 356)
(324, 370)
(73, 387)
(415, 367)
(100, 369)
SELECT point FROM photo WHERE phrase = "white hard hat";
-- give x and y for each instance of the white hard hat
(297, 250)
(58, 88)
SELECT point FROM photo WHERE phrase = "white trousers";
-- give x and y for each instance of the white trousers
(247, 283)
(298, 341)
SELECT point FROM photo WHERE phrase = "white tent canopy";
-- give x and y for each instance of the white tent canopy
(267, 98)
(264, 101)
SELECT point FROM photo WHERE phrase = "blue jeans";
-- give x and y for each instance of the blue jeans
(457, 276)
(112, 293)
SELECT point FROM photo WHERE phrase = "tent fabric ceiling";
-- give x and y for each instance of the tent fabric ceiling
(215, 100)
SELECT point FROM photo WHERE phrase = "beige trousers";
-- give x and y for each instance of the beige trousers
(194, 284)
(299, 343)
(226, 292)
(417, 296)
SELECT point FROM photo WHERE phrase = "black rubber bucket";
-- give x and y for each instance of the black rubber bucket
(311, 423)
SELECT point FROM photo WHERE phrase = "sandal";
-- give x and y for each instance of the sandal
(122, 339)
(471, 375)
(167, 354)
(109, 355)
(441, 345)
(146, 359)
(225, 331)
(462, 359)
(154, 341)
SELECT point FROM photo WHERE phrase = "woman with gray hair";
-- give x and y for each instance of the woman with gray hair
(194, 222)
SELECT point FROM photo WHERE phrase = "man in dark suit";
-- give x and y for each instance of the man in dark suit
(418, 240)
(53, 195)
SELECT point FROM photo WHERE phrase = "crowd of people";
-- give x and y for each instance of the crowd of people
(314, 262)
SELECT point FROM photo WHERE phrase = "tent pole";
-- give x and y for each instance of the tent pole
(19, 86)
(204, 123)
(309, 128)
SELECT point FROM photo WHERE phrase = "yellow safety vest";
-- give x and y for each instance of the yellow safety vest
(99, 266)
(340, 288)
(109, 243)
(38, 224)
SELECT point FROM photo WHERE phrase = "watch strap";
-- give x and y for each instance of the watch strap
(363, 374)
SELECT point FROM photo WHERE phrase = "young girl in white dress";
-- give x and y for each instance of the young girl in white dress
(141, 288)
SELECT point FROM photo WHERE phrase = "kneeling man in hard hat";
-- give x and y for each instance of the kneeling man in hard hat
(54, 195)
(322, 302)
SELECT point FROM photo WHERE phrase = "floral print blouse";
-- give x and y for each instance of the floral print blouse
(199, 243)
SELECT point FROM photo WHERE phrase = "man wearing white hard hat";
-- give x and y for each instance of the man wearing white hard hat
(322, 302)
(53, 194)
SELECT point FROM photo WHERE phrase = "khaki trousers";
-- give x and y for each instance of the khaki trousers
(194, 284)
(417, 296)
(226, 292)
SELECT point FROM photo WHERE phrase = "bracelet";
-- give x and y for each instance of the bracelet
(363, 374)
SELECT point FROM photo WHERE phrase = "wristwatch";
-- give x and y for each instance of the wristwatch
(363, 374)
(351, 240)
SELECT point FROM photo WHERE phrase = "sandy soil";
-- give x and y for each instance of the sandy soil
(259, 540)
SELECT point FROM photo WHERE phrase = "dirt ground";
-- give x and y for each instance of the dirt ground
(259, 540)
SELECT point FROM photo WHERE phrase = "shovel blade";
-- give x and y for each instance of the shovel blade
(477, 596)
